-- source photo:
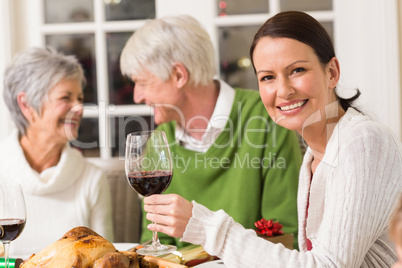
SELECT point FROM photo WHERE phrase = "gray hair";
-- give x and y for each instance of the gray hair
(162, 42)
(36, 71)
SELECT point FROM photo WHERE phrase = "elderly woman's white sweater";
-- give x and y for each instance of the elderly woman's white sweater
(73, 193)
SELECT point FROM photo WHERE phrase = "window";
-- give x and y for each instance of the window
(96, 31)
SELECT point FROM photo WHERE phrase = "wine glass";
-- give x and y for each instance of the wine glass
(149, 171)
(12, 215)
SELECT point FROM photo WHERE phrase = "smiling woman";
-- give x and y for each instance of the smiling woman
(61, 113)
(43, 92)
(351, 174)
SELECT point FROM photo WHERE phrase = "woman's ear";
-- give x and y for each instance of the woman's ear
(179, 74)
(334, 72)
(26, 110)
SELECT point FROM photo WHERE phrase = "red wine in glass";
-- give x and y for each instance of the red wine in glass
(147, 183)
(10, 229)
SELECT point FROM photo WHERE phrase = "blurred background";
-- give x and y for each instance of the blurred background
(366, 34)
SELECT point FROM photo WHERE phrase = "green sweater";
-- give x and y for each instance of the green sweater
(251, 171)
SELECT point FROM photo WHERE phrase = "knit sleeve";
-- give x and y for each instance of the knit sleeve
(221, 236)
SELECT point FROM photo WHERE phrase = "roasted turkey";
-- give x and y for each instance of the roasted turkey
(82, 248)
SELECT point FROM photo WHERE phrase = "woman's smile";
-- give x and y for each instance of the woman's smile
(292, 107)
(73, 123)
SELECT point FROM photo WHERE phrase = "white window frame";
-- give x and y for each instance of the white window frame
(378, 81)
(5, 56)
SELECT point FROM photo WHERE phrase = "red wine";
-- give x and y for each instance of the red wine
(10, 229)
(147, 183)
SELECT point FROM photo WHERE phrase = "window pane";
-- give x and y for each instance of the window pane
(237, 7)
(62, 11)
(235, 64)
(305, 5)
(83, 47)
(88, 138)
(122, 125)
(129, 9)
(120, 87)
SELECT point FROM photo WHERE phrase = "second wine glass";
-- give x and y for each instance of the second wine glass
(149, 171)
(12, 215)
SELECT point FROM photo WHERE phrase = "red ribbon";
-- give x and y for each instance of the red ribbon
(268, 228)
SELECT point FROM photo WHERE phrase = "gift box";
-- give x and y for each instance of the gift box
(272, 231)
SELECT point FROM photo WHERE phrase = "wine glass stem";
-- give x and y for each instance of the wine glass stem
(155, 239)
(6, 246)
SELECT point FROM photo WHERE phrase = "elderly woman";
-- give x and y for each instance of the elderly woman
(43, 92)
(351, 174)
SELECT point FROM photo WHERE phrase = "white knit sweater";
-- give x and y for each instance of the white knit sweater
(352, 194)
(73, 193)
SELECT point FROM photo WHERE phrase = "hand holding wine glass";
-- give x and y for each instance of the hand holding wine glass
(12, 215)
(149, 171)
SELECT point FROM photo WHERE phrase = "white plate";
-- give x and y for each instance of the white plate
(211, 264)
(124, 246)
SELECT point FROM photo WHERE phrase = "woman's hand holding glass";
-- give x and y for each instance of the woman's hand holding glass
(172, 213)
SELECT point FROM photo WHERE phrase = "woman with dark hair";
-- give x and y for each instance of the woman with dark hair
(351, 174)
(306, 30)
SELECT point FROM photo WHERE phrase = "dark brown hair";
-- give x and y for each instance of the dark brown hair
(306, 29)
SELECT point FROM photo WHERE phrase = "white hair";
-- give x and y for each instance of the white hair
(160, 43)
(36, 71)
